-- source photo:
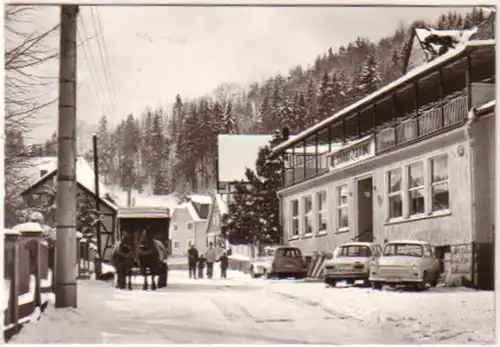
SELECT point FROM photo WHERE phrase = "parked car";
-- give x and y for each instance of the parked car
(351, 262)
(285, 262)
(261, 266)
(410, 263)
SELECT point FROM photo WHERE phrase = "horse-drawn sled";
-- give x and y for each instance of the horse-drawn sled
(143, 247)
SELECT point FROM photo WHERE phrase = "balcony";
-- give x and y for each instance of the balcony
(439, 117)
(431, 119)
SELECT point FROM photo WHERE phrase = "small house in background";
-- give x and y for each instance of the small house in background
(188, 222)
(40, 194)
(218, 209)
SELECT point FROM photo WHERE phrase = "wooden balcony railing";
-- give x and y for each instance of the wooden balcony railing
(451, 113)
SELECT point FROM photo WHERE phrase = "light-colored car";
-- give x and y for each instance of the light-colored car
(261, 266)
(405, 262)
(285, 262)
(351, 262)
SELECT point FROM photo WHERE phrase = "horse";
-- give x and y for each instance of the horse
(151, 254)
(123, 259)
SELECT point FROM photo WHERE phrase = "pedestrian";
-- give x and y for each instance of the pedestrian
(201, 265)
(224, 264)
(210, 256)
(192, 260)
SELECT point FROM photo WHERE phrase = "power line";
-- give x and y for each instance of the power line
(105, 66)
(92, 68)
(106, 58)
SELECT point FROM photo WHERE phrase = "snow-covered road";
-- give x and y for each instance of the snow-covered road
(234, 310)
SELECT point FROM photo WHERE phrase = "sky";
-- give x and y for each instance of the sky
(156, 52)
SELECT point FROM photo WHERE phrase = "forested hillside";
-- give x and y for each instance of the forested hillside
(175, 149)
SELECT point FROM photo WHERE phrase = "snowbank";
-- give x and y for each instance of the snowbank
(440, 315)
(107, 268)
(29, 227)
(239, 257)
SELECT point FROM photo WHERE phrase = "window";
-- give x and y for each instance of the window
(416, 188)
(189, 226)
(353, 251)
(342, 207)
(177, 244)
(394, 193)
(307, 215)
(439, 183)
(404, 249)
(174, 227)
(288, 253)
(294, 212)
(321, 203)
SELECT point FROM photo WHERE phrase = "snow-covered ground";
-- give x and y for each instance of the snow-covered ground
(243, 310)
(440, 315)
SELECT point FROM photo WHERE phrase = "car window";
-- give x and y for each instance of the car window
(403, 249)
(288, 253)
(353, 251)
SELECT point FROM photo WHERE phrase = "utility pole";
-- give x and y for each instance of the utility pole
(97, 259)
(65, 264)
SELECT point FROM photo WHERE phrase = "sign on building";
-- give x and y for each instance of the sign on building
(352, 153)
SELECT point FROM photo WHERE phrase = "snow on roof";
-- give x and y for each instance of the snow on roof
(11, 232)
(487, 106)
(31, 167)
(405, 78)
(462, 36)
(221, 204)
(238, 152)
(28, 227)
(190, 209)
(200, 199)
(84, 176)
(165, 201)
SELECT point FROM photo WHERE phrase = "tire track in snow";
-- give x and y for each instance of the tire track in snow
(332, 313)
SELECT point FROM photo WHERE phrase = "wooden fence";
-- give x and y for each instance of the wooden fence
(28, 273)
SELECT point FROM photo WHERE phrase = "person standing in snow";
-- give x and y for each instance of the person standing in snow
(192, 260)
(224, 264)
(201, 265)
(210, 256)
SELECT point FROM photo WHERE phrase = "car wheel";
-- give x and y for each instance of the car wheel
(435, 279)
(376, 285)
(350, 282)
(330, 282)
(366, 283)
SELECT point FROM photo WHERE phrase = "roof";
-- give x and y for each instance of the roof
(84, 176)
(143, 212)
(233, 163)
(221, 203)
(190, 209)
(200, 199)
(416, 242)
(410, 76)
(485, 108)
(357, 244)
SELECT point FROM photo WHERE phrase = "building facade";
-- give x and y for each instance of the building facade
(187, 227)
(41, 194)
(417, 162)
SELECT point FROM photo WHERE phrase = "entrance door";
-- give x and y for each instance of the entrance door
(365, 210)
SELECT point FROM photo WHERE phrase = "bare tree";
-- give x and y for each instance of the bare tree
(27, 49)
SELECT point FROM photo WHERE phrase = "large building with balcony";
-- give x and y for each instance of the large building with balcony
(413, 160)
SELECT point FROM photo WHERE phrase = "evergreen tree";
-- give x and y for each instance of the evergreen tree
(367, 80)
(228, 119)
(104, 149)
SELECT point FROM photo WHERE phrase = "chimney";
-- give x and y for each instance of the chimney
(286, 133)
